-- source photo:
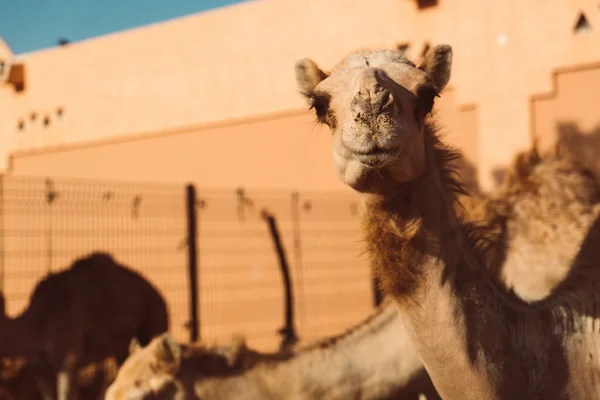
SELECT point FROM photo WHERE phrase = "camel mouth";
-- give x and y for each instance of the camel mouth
(377, 158)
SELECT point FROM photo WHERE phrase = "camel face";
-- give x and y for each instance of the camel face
(148, 372)
(160, 370)
(374, 103)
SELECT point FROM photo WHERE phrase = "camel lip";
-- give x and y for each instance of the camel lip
(375, 159)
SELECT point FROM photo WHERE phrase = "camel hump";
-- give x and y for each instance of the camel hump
(96, 258)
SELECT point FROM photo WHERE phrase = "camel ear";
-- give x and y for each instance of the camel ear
(134, 346)
(308, 76)
(168, 353)
(437, 63)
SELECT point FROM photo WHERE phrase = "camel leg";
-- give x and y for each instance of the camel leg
(104, 376)
(66, 386)
(66, 382)
(63, 384)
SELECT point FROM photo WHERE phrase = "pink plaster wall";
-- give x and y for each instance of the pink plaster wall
(237, 62)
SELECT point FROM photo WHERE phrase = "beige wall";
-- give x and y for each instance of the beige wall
(278, 151)
(282, 151)
(229, 63)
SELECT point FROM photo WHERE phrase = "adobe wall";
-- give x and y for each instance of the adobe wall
(176, 74)
(281, 151)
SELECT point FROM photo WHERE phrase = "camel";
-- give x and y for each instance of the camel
(372, 360)
(476, 338)
(540, 215)
(81, 315)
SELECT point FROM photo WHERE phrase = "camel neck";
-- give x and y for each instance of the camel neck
(430, 261)
(418, 232)
(342, 364)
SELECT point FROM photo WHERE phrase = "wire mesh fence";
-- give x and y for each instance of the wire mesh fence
(48, 223)
(45, 224)
(240, 280)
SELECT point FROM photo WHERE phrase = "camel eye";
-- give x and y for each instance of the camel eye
(320, 103)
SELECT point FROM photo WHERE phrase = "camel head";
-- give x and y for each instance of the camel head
(375, 103)
(148, 371)
(155, 371)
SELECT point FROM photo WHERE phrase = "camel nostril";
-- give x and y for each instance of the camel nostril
(367, 93)
(385, 102)
(372, 94)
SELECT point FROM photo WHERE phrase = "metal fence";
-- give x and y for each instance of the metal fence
(239, 240)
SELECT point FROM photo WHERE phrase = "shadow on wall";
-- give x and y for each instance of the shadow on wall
(585, 146)
(498, 175)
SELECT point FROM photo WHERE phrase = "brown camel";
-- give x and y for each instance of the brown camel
(84, 314)
(373, 360)
(476, 339)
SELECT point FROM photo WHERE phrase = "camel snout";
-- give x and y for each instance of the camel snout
(372, 96)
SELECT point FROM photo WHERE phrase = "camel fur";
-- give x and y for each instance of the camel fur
(372, 360)
(461, 318)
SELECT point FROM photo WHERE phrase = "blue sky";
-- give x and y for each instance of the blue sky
(28, 25)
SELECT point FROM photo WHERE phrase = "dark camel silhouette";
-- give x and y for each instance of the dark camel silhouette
(81, 315)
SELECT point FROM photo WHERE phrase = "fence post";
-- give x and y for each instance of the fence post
(289, 330)
(377, 294)
(51, 196)
(192, 236)
(299, 270)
